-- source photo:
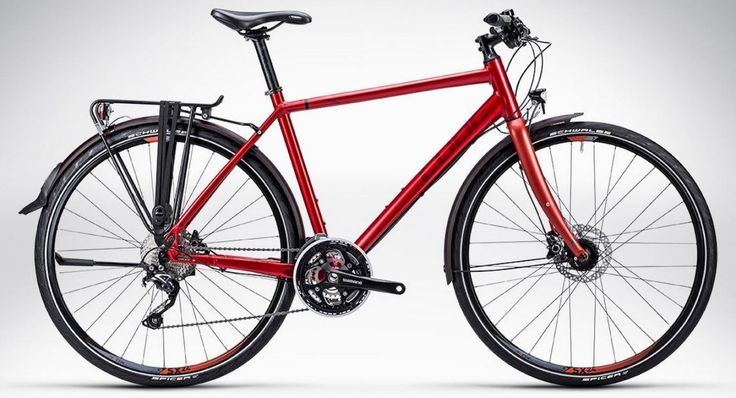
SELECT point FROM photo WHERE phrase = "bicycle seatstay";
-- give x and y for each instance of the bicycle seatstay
(501, 104)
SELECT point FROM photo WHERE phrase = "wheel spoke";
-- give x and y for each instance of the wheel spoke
(111, 303)
(615, 325)
(642, 297)
(214, 308)
(609, 191)
(515, 224)
(109, 217)
(518, 207)
(513, 286)
(113, 193)
(242, 223)
(643, 210)
(238, 283)
(183, 337)
(545, 309)
(133, 243)
(150, 305)
(608, 318)
(603, 217)
(194, 306)
(557, 320)
(649, 225)
(647, 282)
(127, 316)
(244, 239)
(107, 288)
(538, 278)
(231, 218)
(652, 228)
(94, 284)
(555, 317)
(508, 262)
(199, 179)
(227, 294)
(625, 314)
(223, 206)
(507, 268)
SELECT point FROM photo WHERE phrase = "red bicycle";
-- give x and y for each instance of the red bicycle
(581, 253)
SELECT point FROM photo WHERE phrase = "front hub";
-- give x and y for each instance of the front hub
(594, 265)
(591, 260)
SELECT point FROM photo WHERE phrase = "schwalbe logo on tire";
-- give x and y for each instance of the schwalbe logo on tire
(578, 131)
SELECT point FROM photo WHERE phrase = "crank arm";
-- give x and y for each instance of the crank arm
(90, 263)
(352, 281)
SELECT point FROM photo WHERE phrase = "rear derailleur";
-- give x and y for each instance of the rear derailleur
(166, 275)
(169, 286)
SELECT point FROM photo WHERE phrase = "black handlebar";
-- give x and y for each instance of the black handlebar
(498, 20)
(505, 28)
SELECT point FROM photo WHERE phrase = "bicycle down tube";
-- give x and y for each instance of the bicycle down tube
(501, 104)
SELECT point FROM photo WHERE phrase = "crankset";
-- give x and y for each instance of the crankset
(347, 280)
(333, 277)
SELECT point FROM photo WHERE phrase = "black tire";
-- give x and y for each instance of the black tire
(287, 218)
(476, 186)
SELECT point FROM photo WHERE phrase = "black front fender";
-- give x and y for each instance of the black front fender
(557, 120)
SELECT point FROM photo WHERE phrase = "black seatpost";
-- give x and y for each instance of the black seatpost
(271, 81)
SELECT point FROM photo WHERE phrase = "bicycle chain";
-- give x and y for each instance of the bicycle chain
(230, 320)
(244, 249)
(242, 318)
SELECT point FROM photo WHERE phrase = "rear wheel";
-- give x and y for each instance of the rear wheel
(628, 201)
(99, 310)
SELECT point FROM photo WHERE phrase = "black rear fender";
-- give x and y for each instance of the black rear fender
(41, 201)
(48, 185)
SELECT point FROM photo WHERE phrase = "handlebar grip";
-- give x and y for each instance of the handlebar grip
(498, 20)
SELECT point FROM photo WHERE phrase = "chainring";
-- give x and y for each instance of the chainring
(310, 277)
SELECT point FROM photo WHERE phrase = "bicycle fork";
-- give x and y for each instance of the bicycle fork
(538, 183)
(528, 159)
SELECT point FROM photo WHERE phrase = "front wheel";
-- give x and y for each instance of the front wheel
(638, 211)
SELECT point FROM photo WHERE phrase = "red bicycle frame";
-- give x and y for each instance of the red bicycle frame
(501, 104)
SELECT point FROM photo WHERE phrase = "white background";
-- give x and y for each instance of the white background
(662, 68)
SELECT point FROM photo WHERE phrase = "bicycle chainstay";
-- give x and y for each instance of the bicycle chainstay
(242, 318)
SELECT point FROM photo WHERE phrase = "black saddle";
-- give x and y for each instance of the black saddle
(244, 22)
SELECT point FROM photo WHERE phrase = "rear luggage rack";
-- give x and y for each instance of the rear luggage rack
(160, 219)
